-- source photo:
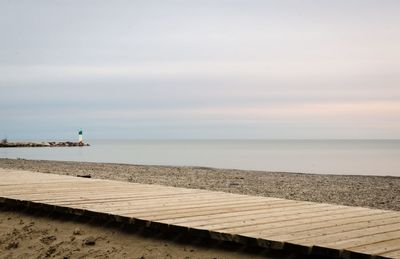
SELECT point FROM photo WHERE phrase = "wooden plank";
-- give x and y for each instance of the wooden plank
(362, 239)
(356, 238)
(78, 187)
(336, 248)
(174, 211)
(149, 204)
(280, 219)
(224, 209)
(43, 193)
(391, 254)
(375, 248)
(270, 215)
(337, 228)
(161, 218)
(191, 209)
(162, 202)
(246, 213)
(168, 198)
(105, 195)
(49, 196)
(336, 218)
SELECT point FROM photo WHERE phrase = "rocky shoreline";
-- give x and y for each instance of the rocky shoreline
(380, 192)
(6, 144)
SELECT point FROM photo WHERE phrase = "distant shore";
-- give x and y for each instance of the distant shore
(7, 144)
(381, 192)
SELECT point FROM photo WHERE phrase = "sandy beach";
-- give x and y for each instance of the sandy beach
(32, 234)
(35, 235)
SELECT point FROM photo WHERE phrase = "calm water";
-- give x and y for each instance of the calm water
(372, 157)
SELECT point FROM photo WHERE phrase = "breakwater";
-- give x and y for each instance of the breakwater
(5, 144)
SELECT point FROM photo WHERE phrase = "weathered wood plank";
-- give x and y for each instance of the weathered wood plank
(268, 216)
(388, 232)
(279, 218)
(376, 248)
(191, 210)
(346, 238)
(103, 194)
(334, 219)
(259, 210)
(391, 254)
(338, 228)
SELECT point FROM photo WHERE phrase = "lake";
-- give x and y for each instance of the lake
(365, 157)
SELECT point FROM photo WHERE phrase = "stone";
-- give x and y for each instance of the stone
(89, 241)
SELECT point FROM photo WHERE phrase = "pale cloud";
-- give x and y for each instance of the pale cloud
(247, 68)
(254, 70)
(339, 112)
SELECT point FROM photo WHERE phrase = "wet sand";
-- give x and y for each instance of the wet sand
(33, 235)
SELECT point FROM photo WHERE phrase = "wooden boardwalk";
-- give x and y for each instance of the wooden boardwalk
(313, 228)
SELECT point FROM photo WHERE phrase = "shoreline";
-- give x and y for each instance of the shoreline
(380, 192)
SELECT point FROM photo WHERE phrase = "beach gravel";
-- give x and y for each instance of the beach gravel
(381, 192)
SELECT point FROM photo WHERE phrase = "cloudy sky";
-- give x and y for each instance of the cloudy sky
(200, 69)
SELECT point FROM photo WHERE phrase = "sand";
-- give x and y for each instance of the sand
(34, 235)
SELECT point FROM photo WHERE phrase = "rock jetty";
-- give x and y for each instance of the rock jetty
(4, 144)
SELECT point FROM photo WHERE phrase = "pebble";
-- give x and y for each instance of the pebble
(90, 241)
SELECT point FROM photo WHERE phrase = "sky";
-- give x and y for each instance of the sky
(207, 69)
